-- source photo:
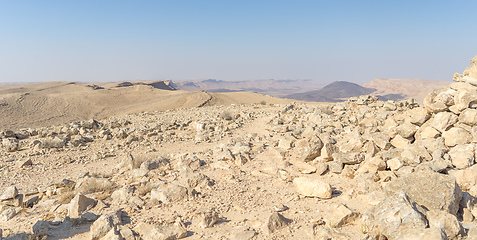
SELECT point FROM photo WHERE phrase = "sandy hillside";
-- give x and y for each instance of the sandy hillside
(408, 88)
(43, 104)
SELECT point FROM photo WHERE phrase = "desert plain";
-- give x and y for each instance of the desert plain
(145, 161)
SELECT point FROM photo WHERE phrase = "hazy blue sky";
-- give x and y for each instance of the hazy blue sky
(235, 40)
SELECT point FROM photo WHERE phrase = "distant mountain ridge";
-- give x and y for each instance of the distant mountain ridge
(384, 89)
(273, 87)
(333, 92)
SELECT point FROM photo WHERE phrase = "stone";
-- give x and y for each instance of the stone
(456, 136)
(418, 116)
(394, 164)
(307, 149)
(104, 224)
(17, 201)
(79, 204)
(407, 130)
(469, 117)
(24, 162)
(31, 202)
(126, 233)
(342, 215)
(112, 235)
(305, 168)
(10, 144)
(244, 235)
(312, 187)
(372, 165)
(9, 193)
(8, 214)
(428, 132)
(20, 236)
(41, 228)
(166, 232)
(423, 186)
(432, 105)
(445, 221)
(443, 120)
(336, 167)
(419, 234)
(327, 152)
(400, 142)
(89, 216)
(169, 194)
(462, 156)
(154, 163)
(465, 178)
(464, 98)
(275, 222)
(321, 168)
(381, 140)
(123, 194)
(391, 215)
(348, 158)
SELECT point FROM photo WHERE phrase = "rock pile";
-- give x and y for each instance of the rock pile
(360, 169)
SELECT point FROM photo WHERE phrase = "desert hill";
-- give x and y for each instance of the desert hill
(384, 89)
(404, 88)
(334, 92)
(43, 104)
(273, 87)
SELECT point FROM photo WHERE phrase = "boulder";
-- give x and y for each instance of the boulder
(10, 144)
(423, 187)
(9, 193)
(79, 204)
(393, 215)
(104, 224)
(307, 149)
(312, 187)
(443, 121)
(456, 136)
(469, 117)
(418, 116)
(462, 156)
(169, 194)
(166, 232)
(275, 222)
(123, 194)
(446, 222)
(342, 215)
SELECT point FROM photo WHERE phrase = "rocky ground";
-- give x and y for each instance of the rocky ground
(361, 169)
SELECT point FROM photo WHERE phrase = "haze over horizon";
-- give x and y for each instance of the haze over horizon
(90, 41)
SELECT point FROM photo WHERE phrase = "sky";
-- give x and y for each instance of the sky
(356, 41)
